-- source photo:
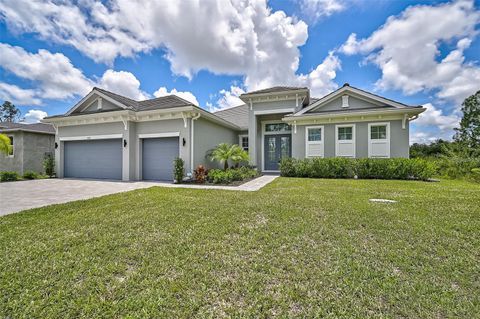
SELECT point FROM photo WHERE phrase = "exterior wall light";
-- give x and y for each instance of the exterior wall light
(124, 143)
(184, 141)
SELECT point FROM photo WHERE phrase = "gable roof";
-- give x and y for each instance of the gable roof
(237, 115)
(126, 103)
(387, 103)
(34, 128)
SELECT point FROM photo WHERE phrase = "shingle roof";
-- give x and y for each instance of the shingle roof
(277, 89)
(237, 115)
(163, 102)
(36, 127)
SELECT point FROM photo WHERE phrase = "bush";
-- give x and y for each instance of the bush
(9, 176)
(476, 174)
(178, 170)
(30, 175)
(455, 166)
(49, 165)
(392, 168)
(200, 174)
(218, 176)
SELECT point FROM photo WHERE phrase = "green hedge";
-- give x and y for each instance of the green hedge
(219, 176)
(9, 176)
(391, 168)
(456, 167)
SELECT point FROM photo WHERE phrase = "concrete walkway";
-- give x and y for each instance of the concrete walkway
(18, 196)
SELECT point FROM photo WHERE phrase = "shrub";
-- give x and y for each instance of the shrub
(9, 176)
(200, 174)
(475, 173)
(30, 175)
(178, 170)
(218, 176)
(455, 166)
(49, 165)
(392, 168)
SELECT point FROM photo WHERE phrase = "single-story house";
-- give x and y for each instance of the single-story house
(31, 143)
(107, 135)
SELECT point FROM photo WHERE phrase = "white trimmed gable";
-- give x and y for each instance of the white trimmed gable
(91, 102)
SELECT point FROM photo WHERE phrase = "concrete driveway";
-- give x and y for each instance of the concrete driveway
(18, 196)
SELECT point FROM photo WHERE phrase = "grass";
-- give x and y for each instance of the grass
(297, 248)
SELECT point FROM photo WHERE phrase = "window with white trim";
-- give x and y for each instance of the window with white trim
(378, 132)
(379, 140)
(314, 146)
(243, 142)
(345, 140)
(11, 151)
(345, 133)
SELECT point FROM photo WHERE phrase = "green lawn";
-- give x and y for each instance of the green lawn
(297, 248)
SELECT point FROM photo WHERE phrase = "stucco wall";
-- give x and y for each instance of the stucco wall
(15, 162)
(399, 140)
(207, 135)
(35, 146)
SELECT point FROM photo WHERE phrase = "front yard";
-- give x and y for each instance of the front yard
(298, 247)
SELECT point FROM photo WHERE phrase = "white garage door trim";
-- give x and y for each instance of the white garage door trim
(91, 137)
(157, 135)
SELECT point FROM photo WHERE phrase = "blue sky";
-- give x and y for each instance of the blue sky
(416, 52)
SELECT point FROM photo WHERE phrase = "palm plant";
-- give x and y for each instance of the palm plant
(239, 155)
(5, 146)
(222, 154)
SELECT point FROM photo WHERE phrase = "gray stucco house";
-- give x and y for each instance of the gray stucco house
(107, 135)
(31, 143)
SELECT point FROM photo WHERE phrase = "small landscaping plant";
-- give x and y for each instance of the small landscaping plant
(178, 169)
(49, 165)
(218, 176)
(225, 153)
(9, 176)
(364, 168)
(30, 175)
(200, 174)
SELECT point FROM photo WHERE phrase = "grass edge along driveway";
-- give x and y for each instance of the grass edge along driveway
(296, 248)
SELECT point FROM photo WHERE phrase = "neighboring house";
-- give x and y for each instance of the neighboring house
(31, 143)
(106, 135)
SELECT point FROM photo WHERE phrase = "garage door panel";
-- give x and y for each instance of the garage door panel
(157, 158)
(93, 159)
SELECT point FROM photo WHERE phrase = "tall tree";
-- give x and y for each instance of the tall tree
(468, 133)
(5, 145)
(9, 112)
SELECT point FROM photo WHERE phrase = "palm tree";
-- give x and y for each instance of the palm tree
(5, 146)
(239, 155)
(222, 153)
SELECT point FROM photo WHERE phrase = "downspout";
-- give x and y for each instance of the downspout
(196, 117)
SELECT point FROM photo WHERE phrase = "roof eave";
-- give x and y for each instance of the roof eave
(244, 97)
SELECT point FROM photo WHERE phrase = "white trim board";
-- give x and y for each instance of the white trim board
(157, 135)
(90, 137)
(276, 111)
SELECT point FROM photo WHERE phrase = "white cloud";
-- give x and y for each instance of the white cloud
(186, 95)
(435, 117)
(433, 124)
(407, 50)
(17, 95)
(123, 83)
(225, 37)
(56, 78)
(318, 9)
(34, 116)
(320, 81)
(228, 98)
(55, 74)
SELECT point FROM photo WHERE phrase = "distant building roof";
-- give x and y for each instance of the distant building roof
(277, 89)
(237, 115)
(35, 128)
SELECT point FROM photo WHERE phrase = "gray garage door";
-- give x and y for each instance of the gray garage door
(157, 158)
(93, 159)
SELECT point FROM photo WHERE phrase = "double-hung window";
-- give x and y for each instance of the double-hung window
(243, 142)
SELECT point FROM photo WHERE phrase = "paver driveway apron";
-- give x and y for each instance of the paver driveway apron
(18, 196)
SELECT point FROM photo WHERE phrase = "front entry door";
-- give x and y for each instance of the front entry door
(276, 147)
